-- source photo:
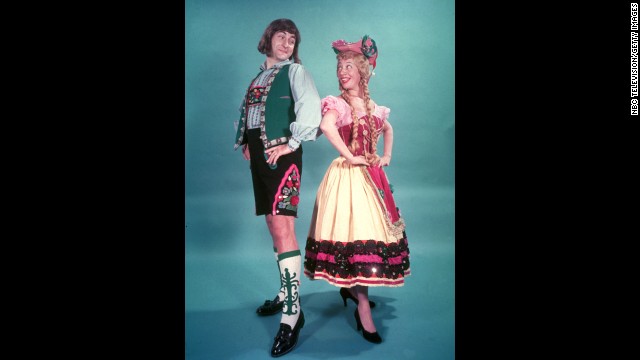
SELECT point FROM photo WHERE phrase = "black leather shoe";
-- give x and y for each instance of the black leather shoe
(286, 338)
(270, 307)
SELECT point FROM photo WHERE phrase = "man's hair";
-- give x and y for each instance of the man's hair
(264, 46)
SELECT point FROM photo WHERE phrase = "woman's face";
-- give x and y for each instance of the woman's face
(348, 74)
(282, 45)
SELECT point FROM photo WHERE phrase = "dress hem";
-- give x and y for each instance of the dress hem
(362, 281)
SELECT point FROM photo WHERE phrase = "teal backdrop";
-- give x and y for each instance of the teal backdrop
(414, 77)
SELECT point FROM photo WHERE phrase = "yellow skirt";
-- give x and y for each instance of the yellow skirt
(354, 239)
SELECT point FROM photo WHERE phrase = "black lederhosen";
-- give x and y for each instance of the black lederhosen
(276, 191)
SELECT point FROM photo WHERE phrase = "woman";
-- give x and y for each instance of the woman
(357, 238)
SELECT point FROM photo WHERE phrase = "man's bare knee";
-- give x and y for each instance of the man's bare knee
(279, 225)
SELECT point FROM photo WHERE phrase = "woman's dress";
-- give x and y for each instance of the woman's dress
(357, 235)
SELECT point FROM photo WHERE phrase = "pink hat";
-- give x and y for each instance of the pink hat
(366, 47)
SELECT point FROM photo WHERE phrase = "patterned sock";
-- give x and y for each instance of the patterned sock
(281, 293)
(290, 284)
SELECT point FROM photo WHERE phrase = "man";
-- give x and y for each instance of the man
(280, 110)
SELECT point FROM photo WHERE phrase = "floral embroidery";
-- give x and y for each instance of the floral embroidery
(289, 197)
(254, 95)
(263, 129)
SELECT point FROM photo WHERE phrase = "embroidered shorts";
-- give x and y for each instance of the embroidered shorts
(276, 190)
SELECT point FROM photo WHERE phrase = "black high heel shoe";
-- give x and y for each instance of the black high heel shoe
(370, 337)
(347, 295)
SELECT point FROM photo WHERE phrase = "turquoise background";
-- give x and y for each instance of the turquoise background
(229, 264)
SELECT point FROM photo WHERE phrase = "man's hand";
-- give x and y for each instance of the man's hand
(245, 152)
(275, 152)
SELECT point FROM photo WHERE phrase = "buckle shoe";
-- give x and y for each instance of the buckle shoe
(270, 307)
(287, 338)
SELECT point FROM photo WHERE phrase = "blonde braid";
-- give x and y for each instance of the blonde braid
(372, 157)
(369, 125)
(353, 144)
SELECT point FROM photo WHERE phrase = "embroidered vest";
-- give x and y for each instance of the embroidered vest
(277, 111)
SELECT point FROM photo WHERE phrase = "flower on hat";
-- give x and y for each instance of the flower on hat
(369, 49)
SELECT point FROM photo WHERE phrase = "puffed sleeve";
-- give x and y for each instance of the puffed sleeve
(339, 105)
(382, 112)
(307, 104)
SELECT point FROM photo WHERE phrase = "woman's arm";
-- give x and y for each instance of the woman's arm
(329, 129)
(387, 132)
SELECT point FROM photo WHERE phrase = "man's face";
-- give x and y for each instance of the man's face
(282, 45)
